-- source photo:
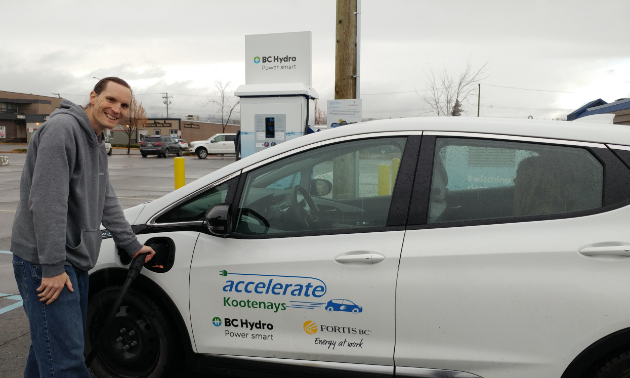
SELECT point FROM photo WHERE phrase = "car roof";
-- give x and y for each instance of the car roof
(564, 130)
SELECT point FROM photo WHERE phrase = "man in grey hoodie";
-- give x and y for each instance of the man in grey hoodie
(65, 195)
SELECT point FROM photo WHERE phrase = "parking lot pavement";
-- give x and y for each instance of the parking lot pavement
(135, 180)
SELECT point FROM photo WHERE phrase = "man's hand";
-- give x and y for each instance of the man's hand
(51, 287)
(145, 249)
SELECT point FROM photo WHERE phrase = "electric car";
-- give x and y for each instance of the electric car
(343, 305)
(476, 247)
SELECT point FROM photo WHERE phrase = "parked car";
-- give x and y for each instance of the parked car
(160, 145)
(108, 148)
(217, 144)
(182, 144)
(476, 248)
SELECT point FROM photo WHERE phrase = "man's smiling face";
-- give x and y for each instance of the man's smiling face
(110, 107)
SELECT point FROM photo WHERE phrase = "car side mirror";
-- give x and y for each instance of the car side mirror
(320, 187)
(213, 141)
(218, 219)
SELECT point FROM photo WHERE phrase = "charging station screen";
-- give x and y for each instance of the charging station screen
(270, 127)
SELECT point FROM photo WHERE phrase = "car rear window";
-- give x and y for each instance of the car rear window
(152, 139)
(486, 179)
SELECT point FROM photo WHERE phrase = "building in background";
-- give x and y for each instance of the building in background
(620, 108)
(189, 130)
(196, 130)
(21, 114)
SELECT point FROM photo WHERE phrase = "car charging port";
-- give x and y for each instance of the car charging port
(163, 259)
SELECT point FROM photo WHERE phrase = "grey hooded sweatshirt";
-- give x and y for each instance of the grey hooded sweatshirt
(65, 195)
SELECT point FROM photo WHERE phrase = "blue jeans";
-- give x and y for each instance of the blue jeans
(57, 329)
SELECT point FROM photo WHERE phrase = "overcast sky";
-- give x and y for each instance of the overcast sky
(570, 52)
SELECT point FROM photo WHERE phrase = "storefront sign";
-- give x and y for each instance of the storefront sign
(343, 112)
(191, 126)
(278, 58)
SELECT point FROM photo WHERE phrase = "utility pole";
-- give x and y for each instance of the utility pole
(346, 50)
(346, 167)
(58, 95)
(167, 101)
(478, 98)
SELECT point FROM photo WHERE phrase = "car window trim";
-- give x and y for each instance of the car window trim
(618, 147)
(151, 222)
(516, 138)
(418, 219)
(327, 142)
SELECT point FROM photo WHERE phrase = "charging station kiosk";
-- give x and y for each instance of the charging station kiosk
(277, 100)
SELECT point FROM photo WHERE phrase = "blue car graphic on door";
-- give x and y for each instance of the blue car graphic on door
(343, 305)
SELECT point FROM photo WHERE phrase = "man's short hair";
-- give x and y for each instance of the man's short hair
(100, 86)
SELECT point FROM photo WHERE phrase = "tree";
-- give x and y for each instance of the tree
(457, 109)
(224, 103)
(320, 115)
(136, 119)
(446, 94)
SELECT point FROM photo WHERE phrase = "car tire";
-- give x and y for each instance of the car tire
(202, 153)
(156, 351)
(329, 309)
(143, 155)
(355, 310)
(617, 367)
(110, 151)
(180, 152)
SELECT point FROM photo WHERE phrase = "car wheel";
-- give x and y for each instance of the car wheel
(143, 155)
(355, 310)
(139, 341)
(202, 153)
(180, 152)
(617, 367)
(329, 309)
(110, 151)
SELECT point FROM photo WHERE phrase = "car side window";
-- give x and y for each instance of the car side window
(229, 138)
(195, 208)
(476, 179)
(219, 138)
(345, 186)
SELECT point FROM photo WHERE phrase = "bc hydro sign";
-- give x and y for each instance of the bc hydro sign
(278, 58)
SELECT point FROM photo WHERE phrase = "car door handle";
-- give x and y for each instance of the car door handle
(613, 250)
(363, 258)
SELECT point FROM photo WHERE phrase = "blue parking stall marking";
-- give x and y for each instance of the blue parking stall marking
(11, 307)
(7, 252)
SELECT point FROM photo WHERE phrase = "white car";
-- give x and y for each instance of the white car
(108, 148)
(182, 144)
(431, 247)
(217, 144)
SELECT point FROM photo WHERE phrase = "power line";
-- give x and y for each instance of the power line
(535, 90)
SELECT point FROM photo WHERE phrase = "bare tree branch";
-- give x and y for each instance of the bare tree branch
(446, 95)
(226, 108)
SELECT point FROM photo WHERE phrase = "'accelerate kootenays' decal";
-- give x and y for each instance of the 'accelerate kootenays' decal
(299, 291)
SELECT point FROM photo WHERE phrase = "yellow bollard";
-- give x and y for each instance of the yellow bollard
(395, 166)
(180, 172)
(383, 179)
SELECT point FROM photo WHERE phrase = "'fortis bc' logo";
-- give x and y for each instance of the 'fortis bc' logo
(310, 327)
